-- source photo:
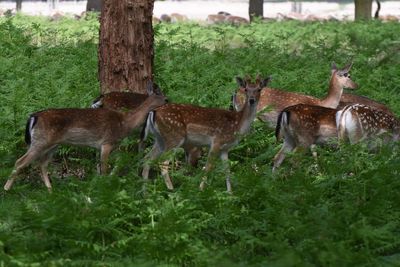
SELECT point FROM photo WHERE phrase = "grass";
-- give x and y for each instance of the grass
(340, 209)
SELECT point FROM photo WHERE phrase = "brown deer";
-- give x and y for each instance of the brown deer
(188, 126)
(122, 101)
(99, 128)
(273, 101)
(303, 125)
(359, 122)
(216, 19)
(125, 101)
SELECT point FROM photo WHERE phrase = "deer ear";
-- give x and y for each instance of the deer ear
(333, 67)
(157, 90)
(240, 82)
(348, 67)
(149, 87)
(258, 79)
(265, 82)
(233, 102)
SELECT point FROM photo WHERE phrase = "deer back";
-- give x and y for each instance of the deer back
(88, 126)
(73, 126)
(313, 124)
(119, 100)
(125, 100)
(348, 99)
(181, 121)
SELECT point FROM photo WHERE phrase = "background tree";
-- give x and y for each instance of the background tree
(296, 7)
(363, 9)
(126, 45)
(19, 5)
(256, 9)
(378, 8)
(94, 5)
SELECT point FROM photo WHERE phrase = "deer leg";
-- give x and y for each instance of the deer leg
(44, 162)
(314, 153)
(141, 146)
(192, 155)
(280, 156)
(164, 172)
(152, 155)
(32, 154)
(212, 155)
(225, 160)
(105, 152)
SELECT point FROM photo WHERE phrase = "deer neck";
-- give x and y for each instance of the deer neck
(247, 116)
(334, 94)
(136, 117)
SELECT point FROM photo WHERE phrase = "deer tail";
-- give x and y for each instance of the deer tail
(344, 122)
(150, 126)
(97, 103)
(282, 123)
(30, 123)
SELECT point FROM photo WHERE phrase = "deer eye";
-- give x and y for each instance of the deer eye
(245, 89)
(346, 75)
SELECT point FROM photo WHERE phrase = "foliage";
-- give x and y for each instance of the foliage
(340, 209)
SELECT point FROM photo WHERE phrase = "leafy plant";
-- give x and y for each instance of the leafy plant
(340, 209)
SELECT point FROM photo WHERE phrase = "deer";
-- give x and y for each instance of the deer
(358, 122)
(302, 126)
(98, 128)
(273, 101)
(125, 101)
(121, 101)
(189, 126)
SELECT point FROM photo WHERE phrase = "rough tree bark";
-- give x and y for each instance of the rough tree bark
(94, 5)
(363, 9)
(126, 45)
(256, 9)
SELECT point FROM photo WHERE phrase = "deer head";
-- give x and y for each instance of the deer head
(250, 89)
(342, 76)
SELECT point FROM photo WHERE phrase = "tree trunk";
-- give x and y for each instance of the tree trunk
(297, 7)
(53, 4)
(19, 5)
(378, 9)
(126, 45)
(256, 9)
(363, 9)
(94, 5)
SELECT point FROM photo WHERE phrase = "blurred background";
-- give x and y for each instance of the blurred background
(199, 10)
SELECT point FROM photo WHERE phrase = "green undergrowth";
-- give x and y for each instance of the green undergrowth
(339, 209)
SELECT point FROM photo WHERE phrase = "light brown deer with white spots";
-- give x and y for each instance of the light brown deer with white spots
(99, 128)
(303, 125)
(273, 101)
(188, 126)
(359, 122)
